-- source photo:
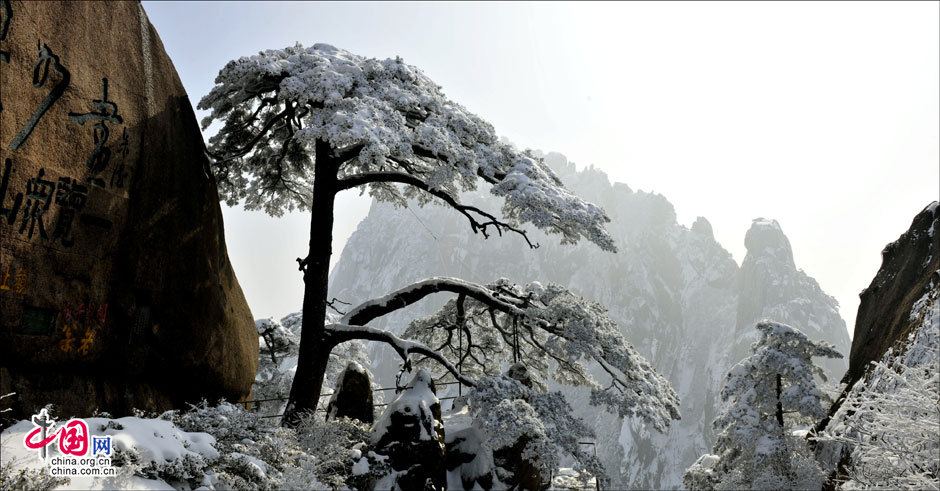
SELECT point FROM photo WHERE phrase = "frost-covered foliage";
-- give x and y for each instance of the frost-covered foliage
(383, 122)
(15, 479)
(554, 333)
(506, 411)
(337, 445)
(889, 423)
(766, 394)
(207, 447)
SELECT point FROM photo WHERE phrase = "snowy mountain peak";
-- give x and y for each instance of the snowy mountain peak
(703, 228)
(766, 238)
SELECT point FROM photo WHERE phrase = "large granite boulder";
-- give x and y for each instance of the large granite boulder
(115, 286)
(909, 267)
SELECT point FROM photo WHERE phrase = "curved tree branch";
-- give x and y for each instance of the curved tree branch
(372, 309)
(479, 219)
(339, 333)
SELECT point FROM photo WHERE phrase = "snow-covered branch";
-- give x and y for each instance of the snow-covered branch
(403, 297)
(480, 220)
(340, 333)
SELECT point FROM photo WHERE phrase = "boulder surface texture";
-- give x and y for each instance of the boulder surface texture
(910, 266)
(352, 397)
(116, 291)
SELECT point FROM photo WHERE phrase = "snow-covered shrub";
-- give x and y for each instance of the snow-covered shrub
(225, 421)
(330, 444)
(888, 426)
(767, 394)
(506, 411)
(255, 454)
(16, 479)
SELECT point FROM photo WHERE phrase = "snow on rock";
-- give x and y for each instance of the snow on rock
(352, 396)
(469, 459)
(411, 433)
(416, 400)
(568, 478)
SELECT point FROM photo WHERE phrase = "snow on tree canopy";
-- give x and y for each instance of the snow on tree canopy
(385, 123)
(755, 445)
(751, 385)
(554, 333)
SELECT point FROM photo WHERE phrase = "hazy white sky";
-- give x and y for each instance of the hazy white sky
(824, 116)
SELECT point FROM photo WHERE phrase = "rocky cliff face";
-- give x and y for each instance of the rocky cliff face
(897, 324)
(679, 297)
(115, 286)
(910, 267)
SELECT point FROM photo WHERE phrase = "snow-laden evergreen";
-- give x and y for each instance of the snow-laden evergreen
(765, 395)
(301, 125)
(389, 123)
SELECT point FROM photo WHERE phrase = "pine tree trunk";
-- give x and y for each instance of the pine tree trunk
(779, 404)
(315, 347)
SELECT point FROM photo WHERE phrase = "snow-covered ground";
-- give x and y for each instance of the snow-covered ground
(153, 442)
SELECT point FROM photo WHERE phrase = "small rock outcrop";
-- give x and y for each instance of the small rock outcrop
(116, 291)
(352, 397)
(910, 267)
(411, 434)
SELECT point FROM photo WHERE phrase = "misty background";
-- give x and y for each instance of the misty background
(822, 115)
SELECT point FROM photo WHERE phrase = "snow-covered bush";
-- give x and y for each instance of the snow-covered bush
(332, 444)
(767, 394)
(17, 479)
(888, 426)
(227, 422)
(506, 410)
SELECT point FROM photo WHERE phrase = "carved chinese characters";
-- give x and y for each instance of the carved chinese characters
(45, 58)
(29, 203)
(105, 112)
(6, 15)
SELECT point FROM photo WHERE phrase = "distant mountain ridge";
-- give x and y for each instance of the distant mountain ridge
(678, 295)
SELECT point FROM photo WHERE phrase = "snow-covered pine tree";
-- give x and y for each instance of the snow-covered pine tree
(766, 395)
(303, 124)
